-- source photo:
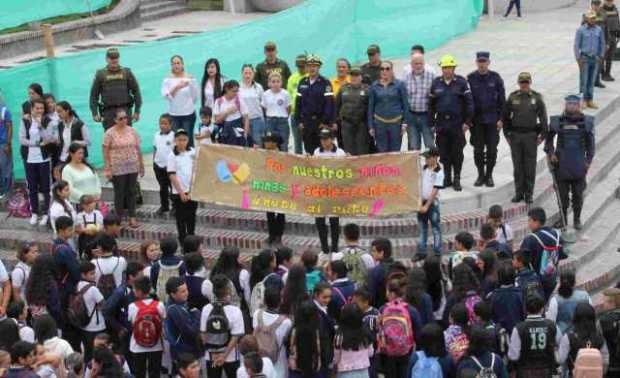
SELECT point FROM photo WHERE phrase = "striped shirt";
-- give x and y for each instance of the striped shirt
(419, 90)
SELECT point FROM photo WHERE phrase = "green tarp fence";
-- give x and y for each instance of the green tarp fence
(331, 28)
(18, 12)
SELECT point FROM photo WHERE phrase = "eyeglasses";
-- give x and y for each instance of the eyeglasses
(386, 68)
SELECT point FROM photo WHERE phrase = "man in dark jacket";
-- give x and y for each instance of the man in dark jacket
(270, 65)
(182, 326)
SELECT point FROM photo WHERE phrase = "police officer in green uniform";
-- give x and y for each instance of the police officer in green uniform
(612, 21)
(525, 127)
(571, 155)
(351, 111)
(371, 71)
(114, 88)
(601, 20)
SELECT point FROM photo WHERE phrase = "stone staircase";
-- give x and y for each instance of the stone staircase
(155, 9)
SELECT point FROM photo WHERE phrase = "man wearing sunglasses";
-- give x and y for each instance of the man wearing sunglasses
(371, 71)
(114, 88)
(612, 21)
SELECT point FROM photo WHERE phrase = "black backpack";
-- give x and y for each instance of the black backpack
(217, 333)
(610, 326)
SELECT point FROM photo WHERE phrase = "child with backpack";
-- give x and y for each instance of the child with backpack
(466, 289)
(284, 260)
(399, 328)
(182, 325)
(526, 280)
(262, 276)
(358, 260)
(146, 317)
(507, 304)
(313, 274)
(533, 342)
(480, 359)
(353, 344)
(26, 254)
(193, 244)
(304, 350)
(180, 168)
(417, 296)
(561, 306)
(90, 307)
(545, 247)
(504, 232)
(488, 240)
(583, 350)
(271, 329)
(431, 360)
(89, 224)
(167, 267)
(370, 319)
(150, 253)
(342, 288)
(498, 337)
(248, 346)
(194, 264)
(456, 335)
(221, 326)
(110, 269)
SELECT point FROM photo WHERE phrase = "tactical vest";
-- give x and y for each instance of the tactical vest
(612, 19)
(537, 346)
(354, 100)
(115, 88)
(571, 147)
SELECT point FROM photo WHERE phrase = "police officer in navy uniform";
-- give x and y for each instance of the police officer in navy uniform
(314, 105)
(525, 127)
(487, 89)
(451, 109)
(571, 155)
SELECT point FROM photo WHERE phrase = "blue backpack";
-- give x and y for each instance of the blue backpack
(313, 278)
(426, 367)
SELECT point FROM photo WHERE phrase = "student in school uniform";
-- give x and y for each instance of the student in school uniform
(163, 143)
(89, 223)
(94, 301)
(195, 277)
(26, 255)
(277, 104)
(188, 365)
(342, 288)
(146, 348)
(275, 221)
(328, 149)
(60, 204)
(222, 354)
(370, 318)
(180, 168)
(182, 326)
(108, 265)
(205, 133)
(432, 182)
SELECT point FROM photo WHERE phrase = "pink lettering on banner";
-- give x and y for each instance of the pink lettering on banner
(377, 206)
(295, 191)
(245, 200)
(379, 171)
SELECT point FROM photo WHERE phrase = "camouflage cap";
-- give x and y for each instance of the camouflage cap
(355, 70)
(112, 53)
(525, 76)
(373, 49)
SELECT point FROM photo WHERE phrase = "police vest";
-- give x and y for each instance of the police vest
(571, 145)
(354, 103)
(115, 88)
(537, 344)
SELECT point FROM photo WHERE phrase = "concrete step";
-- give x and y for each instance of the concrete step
(160, 9)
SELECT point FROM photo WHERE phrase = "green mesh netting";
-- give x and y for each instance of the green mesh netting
(18, 12)
(333, 29)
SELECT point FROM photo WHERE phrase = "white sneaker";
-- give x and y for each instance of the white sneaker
(43, 220)
(33, 220)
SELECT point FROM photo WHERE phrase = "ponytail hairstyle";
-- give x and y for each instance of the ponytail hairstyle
(67, 108)
(58, 187)
(567, 283)
(306, 338)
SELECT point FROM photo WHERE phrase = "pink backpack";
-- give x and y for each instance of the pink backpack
(19, 205)
(470, 302)
(396, 330)
(589, 363)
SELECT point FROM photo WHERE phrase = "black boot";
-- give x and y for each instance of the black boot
(457, 183)
(577, 219)
(517, 198)
(563, 220)
(489, 177)
(447, 179)
(481, 177)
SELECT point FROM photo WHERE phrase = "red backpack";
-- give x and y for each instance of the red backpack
(147, 328)
(396, 330)
(18, 205)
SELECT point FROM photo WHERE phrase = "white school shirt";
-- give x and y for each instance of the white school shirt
(244, 281)
(335, 152)
(4, 277)
(26, 334)
(268, 370)
(222, 105)
(184, 101)
(58, 346)
(500, 234)
(132, 314)
(94, 217)
(431, 178)
(251, 97)
(19, 277)
(57, 210)
(203, 129)
(209, 92)
(92, 297)
(34, 152)
(110, 265)
(235, 323)
(163, 143)
(182, 166)
(276, 104)
(281, 365)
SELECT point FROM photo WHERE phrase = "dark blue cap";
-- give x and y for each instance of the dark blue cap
(572, 98)
(483, 55)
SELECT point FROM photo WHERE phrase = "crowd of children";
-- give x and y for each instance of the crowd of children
(482, 310)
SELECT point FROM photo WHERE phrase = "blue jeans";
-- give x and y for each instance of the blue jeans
(417, 129)
(587, 76)
(187, 123)
(280, 125)
(434, 217)
(388, 136)
(257, 130)
(6, 171)
(296, 137)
